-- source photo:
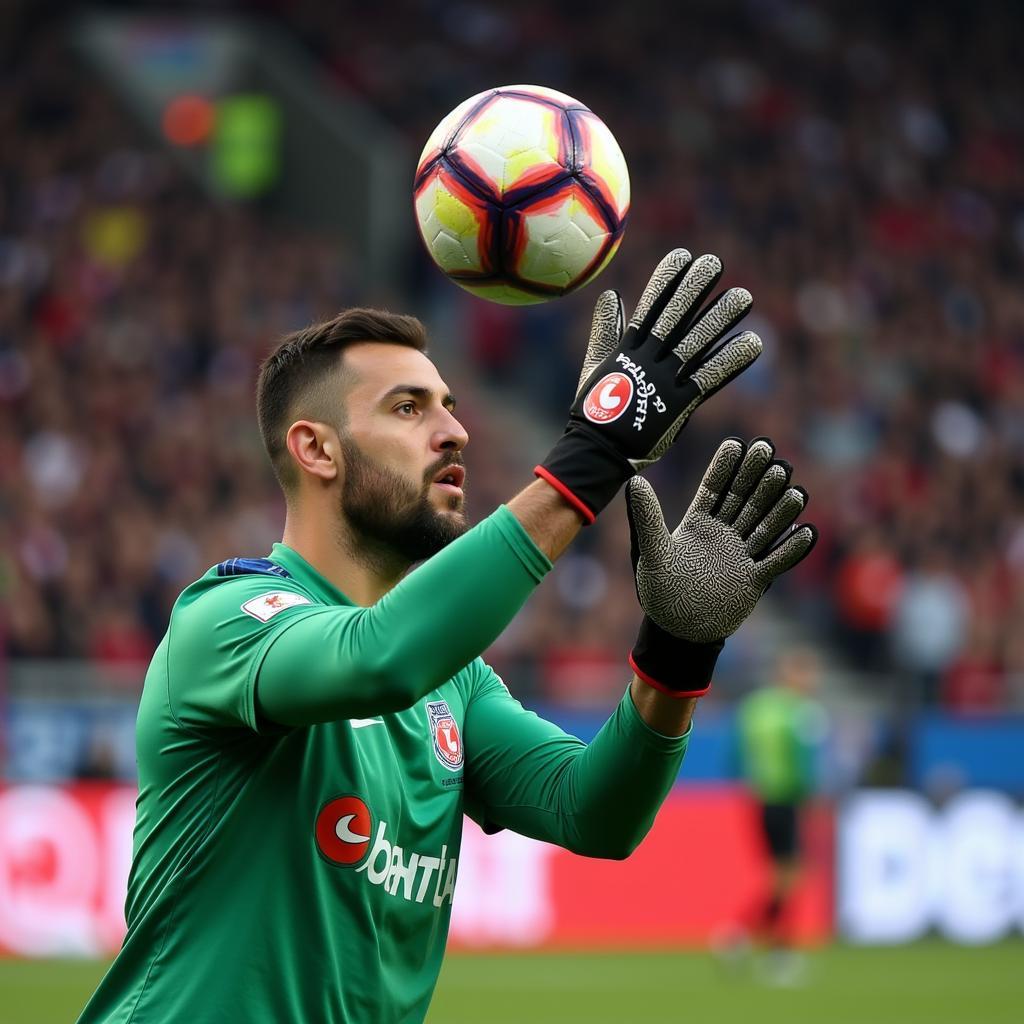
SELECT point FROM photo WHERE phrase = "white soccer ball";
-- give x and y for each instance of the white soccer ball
(521, 194)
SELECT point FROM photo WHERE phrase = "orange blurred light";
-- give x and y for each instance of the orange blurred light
(188, 120)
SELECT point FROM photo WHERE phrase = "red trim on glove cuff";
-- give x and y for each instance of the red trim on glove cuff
(545, 475)
(661, 687)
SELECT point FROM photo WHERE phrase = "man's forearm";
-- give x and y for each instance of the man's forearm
(667, 715)
(597, 799)
(547, 517)
(630, 765)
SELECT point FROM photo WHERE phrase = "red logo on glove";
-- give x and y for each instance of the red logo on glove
(609, 398)
(343, 829)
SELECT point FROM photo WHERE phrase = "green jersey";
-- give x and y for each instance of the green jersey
(778, 732)
(304, 767)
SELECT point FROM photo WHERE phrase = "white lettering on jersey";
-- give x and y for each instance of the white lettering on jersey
(266, 606)
(388, 865)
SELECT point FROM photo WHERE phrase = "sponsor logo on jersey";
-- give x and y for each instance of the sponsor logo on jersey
(343, 829)
(609, 398)
(266, 606)
(444, 731)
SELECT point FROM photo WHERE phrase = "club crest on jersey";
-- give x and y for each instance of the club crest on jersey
(444, 732)
(609, 398)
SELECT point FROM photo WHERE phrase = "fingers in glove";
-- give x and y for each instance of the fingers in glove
(796, 547)
(731, 359)
(720, 471)
(724, 314)
(778, 520)
(647, 531)
(773, 483)
(726, 362)
(659, 289)
(746, 478)
(684, 303)
(605, 333)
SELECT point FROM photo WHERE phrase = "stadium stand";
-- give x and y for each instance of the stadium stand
(875, 211)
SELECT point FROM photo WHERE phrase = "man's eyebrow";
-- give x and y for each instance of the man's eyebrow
(419, 392)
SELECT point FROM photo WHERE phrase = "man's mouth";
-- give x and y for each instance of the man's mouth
(451, 479)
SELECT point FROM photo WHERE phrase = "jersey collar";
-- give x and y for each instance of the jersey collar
(304, 574)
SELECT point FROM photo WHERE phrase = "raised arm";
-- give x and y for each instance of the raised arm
(696, 587)
(344, 662)
(639, 385)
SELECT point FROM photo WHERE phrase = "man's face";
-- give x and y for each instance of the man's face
(402, 486)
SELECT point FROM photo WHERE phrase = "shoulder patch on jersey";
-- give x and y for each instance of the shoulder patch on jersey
(266, 606)
(251, 567)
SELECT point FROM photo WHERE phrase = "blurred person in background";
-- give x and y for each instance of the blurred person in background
(930, 627)
(779, 730)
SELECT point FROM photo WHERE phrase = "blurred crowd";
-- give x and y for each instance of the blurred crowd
(858, 167)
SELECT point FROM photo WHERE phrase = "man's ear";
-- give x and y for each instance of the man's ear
(314, 447)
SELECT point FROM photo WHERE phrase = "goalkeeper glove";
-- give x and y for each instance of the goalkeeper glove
(640, 385)
(698, 584)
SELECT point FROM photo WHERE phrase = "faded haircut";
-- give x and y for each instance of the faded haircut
(295, 379)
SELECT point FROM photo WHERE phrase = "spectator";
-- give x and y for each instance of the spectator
(929, 627)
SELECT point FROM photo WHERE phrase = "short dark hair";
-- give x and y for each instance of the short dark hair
(292, 378)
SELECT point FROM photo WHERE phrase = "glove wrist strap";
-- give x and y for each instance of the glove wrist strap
(585, 471)
(676, 667)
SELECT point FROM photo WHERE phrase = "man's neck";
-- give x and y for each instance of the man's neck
(363, 573)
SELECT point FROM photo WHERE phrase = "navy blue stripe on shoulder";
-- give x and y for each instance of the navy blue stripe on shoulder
(251, 567)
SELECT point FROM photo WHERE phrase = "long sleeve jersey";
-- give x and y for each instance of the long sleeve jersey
(304, 767)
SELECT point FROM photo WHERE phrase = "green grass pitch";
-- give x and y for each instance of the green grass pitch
(928, 983)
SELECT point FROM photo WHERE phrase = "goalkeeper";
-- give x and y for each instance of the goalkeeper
(314, 724)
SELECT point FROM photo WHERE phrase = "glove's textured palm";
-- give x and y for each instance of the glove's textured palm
(701, 581)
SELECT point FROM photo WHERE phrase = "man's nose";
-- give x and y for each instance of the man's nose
(451, 435)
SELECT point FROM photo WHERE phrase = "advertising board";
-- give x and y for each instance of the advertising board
(65, 854)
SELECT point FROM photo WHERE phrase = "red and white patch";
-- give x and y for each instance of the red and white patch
(444, 731)
(343, 830)
(609, 398)
(266, 606)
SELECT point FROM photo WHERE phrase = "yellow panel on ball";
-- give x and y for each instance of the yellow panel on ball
(452, 226)
(511, 142)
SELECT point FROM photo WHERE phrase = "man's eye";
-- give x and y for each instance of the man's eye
(407, 408)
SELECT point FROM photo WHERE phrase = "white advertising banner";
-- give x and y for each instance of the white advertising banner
(907, 868)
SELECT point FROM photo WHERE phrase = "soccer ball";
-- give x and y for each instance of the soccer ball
(521, 194)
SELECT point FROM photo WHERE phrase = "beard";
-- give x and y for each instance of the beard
(391, 520)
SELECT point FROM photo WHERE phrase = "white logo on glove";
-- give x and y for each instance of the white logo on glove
(609, 398)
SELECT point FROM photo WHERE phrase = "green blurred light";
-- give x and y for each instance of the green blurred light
(246, 151)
